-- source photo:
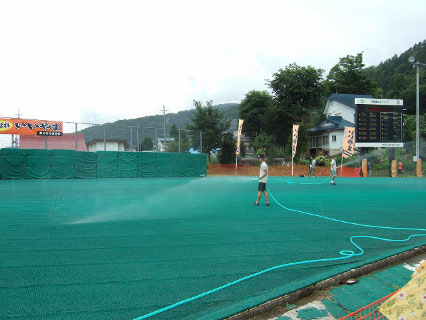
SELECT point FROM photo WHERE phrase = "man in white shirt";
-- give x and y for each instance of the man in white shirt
(312, 167)
(263, 178)
(333, 170)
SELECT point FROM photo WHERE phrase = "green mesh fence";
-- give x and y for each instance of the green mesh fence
(107, 165)
(165, 164)
(39, 164)
(127, 165)
(63, 164)
(182, 166)
(122, 248)
(14, 163)
(147, 164)
(85, 165)
(69, 164)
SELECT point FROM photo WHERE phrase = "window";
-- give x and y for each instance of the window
(333, 138)
(324, 140)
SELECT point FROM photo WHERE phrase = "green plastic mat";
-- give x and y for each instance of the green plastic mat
(123, 248)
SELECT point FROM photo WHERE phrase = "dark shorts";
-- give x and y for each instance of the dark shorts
(261, 186)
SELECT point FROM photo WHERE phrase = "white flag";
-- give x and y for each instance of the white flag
(240, 128)
(295, 137)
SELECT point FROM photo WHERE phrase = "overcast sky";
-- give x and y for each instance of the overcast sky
(99, 61)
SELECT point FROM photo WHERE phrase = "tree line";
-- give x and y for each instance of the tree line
(297, 95)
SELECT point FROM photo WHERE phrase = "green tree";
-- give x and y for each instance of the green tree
(146, 144)
(297, 91)
(349, 76)
(180, 142)
(227, 149)
(410, 127)
(174, 132)
(262, 142)
(210, 122)
(257, 109)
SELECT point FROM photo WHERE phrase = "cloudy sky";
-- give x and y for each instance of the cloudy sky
(99, 61)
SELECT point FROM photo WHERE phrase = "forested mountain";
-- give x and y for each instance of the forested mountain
(146, 126)
(396, 77)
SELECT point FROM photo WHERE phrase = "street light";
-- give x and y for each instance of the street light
(417, 66)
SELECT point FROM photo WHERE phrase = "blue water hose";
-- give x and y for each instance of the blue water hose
(298, 182)
(344, 254)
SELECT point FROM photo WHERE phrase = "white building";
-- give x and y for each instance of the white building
(107, 145)
(327, 137)
(160, 143)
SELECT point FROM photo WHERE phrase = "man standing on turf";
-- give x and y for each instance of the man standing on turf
(333, 170)
(312, 167)
(263, 178)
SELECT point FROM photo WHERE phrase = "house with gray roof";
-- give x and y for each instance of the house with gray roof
(327, 137)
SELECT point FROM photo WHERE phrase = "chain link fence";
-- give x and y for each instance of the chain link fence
(111, 137)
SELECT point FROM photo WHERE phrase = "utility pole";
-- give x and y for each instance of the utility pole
(15, 139)
(417, 65)
(164, 112)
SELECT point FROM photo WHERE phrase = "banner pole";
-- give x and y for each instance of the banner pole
(236, 159)
(341, 166)
(292, 166)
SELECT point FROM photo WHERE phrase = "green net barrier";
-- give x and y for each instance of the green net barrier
(63, 165)
(39, 167)
(182, 166)
(198, 163)
(85, 165)
(69, 164)
(13, 163)
(39, 152)
(13, 166)
(147, 164)
(127, 165)
(165, 164)
(107, 164)
(39, 164)
(15, 152)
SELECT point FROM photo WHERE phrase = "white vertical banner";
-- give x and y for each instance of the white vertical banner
(237, 152)
(294, 144)
(240, 128)
(348, 144)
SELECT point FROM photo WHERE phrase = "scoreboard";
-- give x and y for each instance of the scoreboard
(378, 123)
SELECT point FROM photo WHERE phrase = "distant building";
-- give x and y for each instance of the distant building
(66, 141)
(107, 145)
(327, 137)
(160, 143)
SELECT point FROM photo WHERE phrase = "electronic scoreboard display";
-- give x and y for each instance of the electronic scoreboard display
(378, 123)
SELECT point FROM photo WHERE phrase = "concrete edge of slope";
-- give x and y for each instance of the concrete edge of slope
(295, 296)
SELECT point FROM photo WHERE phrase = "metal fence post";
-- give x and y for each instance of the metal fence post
(104, 137)
(201, 141)
(75, 134)
(137, 138)
(131, 138)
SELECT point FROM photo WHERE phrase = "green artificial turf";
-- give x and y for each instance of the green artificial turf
(123, 248)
